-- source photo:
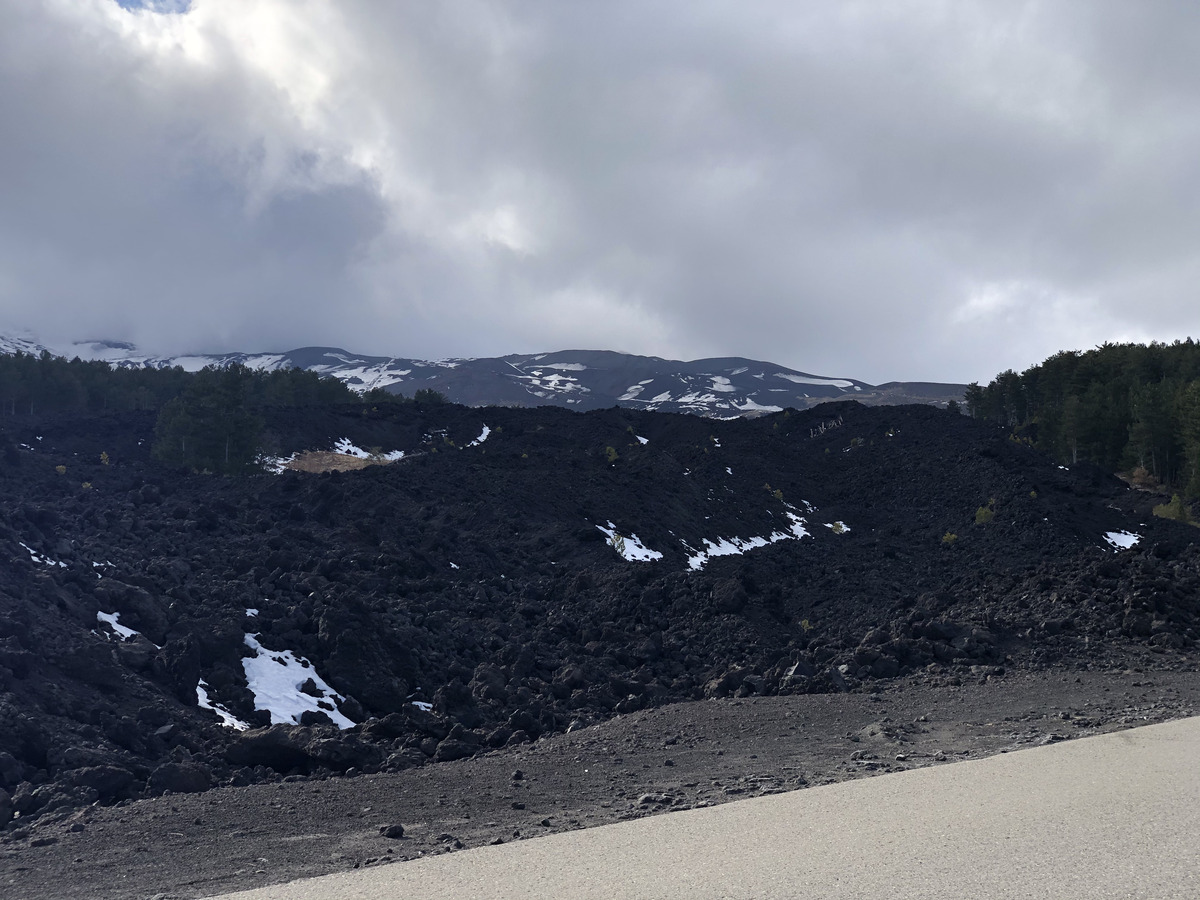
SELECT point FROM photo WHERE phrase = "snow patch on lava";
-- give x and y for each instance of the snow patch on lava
(276, 678)
(112, 619)
(629, 546)
(228, 719)
(736, 546)
(483, 436)
(1122, 540)
(41, 559)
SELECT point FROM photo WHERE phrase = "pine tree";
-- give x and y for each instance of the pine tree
(210, 427)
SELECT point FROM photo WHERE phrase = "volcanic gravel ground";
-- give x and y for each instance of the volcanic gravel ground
(648, 762)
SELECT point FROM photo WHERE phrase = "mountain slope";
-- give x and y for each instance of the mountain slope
(577, 379)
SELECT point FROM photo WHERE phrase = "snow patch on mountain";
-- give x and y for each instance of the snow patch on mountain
(808, 379)
(578, 379)
(12, 344)
(751, 406)
(543, 385)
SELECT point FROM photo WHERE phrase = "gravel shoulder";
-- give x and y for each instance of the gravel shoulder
(645, 763)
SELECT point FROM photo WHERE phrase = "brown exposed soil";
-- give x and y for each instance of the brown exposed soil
(316, 461)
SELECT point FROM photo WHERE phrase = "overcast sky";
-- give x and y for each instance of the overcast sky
(908, 189)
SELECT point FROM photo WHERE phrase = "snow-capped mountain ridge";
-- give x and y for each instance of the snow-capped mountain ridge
(580, 379)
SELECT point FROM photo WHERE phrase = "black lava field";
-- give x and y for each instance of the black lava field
(477, 592)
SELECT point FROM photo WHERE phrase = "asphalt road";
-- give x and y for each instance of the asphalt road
(1113, 816)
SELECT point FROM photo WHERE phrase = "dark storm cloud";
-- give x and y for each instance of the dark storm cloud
(907, 190)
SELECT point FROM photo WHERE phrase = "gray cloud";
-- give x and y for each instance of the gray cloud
(911, 190)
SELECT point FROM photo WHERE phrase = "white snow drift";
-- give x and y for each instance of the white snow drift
(275, 677)
(113, 623)
(41, 559)
(347, 448)
(1122, 540)
(735, 546)
(629, 546)
(228, 719)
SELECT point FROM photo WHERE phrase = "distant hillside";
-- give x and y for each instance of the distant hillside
(576, 379)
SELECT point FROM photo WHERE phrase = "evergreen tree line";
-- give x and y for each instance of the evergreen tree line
(215, 423)
(211, 420)
(1122, 406)
(34, 385)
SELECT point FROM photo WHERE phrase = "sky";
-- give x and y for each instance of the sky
(902, 190)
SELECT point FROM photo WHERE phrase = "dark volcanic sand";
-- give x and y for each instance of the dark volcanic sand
(674, 757)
